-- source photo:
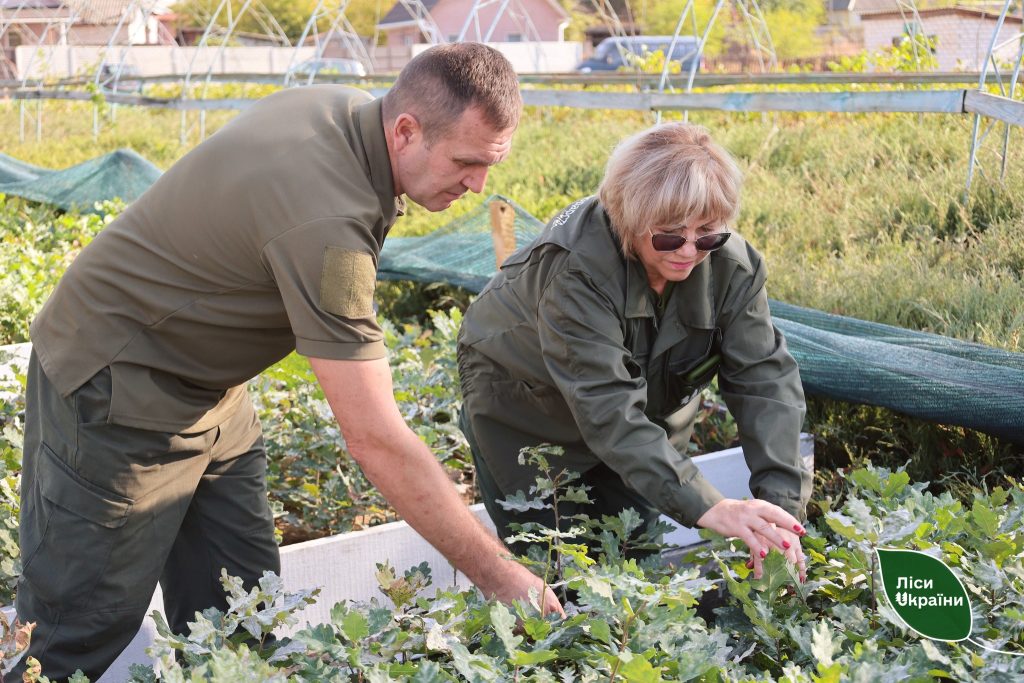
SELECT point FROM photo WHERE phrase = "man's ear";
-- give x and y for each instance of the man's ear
(407, 131)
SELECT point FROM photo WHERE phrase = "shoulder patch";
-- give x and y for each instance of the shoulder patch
(347, 283)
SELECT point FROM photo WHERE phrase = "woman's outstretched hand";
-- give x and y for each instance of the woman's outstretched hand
(762, 526)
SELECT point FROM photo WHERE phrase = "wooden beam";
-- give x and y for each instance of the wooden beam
(993, 106)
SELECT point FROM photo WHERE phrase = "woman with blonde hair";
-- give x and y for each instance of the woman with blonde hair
(600, 335)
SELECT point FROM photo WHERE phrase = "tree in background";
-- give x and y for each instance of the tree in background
(792, 24)
(291, 15)
(659, 17)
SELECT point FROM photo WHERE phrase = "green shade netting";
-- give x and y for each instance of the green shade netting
(122, 174)
(916, 373)
(459, 253)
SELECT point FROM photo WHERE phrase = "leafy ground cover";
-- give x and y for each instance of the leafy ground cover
(638, 621)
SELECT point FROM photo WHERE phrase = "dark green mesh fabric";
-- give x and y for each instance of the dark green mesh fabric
(459, 253)
(925, 375)
(12, 170)
(122, 174)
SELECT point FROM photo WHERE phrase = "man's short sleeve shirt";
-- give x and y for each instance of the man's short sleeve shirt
(261, 240)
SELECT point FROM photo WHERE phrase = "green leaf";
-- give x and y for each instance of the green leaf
(775, 575)
(933, 652)
(639, 670)
(986, 518)
(504, 622)
(896, 482)
(536, 628)
(518, 502)
(824, 645)
(926, 595)
(600, 630)
(355, 626)
(533, 658)
(843, 526)
(829, 674)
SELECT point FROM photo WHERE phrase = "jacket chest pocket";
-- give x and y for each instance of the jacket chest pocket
(689, 374)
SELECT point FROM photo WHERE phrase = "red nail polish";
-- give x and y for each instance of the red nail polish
(750, 564)
(799, 529)
(785, 544)
(764, 554)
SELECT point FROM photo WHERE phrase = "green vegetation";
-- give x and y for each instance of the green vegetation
(638, 621)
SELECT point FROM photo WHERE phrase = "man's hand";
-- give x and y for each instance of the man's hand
(405, 471)
(762, 526)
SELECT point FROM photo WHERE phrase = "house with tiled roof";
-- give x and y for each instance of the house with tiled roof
(79, 22)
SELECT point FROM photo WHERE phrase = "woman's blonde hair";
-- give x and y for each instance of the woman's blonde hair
(665, 176)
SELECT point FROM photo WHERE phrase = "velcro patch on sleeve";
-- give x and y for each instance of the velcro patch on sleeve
(347, 283)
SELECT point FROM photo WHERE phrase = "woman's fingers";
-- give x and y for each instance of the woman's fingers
(782, 519)
(761, 526)
(786, 542)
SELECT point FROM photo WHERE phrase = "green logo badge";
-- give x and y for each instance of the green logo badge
(926, 594)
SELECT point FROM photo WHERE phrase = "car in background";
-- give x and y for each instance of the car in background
(611, 53)
(333, 66)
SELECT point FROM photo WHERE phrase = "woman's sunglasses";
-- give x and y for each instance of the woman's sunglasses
(662, 241)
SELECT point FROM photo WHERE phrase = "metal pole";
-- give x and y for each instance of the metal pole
(989, 61)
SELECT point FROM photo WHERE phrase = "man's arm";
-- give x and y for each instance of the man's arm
(407, 474)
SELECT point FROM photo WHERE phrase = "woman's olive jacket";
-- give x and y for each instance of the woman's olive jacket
(565, 346)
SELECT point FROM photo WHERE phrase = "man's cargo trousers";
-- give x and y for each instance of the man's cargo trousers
(108, 511)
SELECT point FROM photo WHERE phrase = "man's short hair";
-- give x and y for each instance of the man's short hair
(439, 84)
(665, 176)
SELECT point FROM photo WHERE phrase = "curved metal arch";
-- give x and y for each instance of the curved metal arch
(424, 21)
(515, 10)
(47, 55)
(909, 7)
(511, 8)
(607, 14)
(1012, 90)
(339, 26)
(107, 78)
(760, 35)
(224, 33)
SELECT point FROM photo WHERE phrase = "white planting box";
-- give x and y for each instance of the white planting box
(344, 566)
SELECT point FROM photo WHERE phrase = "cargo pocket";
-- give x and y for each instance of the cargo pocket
(68, 531)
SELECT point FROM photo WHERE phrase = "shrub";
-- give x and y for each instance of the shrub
(637, 621)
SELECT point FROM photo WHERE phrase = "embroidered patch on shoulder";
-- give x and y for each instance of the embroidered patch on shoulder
(347, 283)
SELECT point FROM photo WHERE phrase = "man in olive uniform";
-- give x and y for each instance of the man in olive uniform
(143, 456)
